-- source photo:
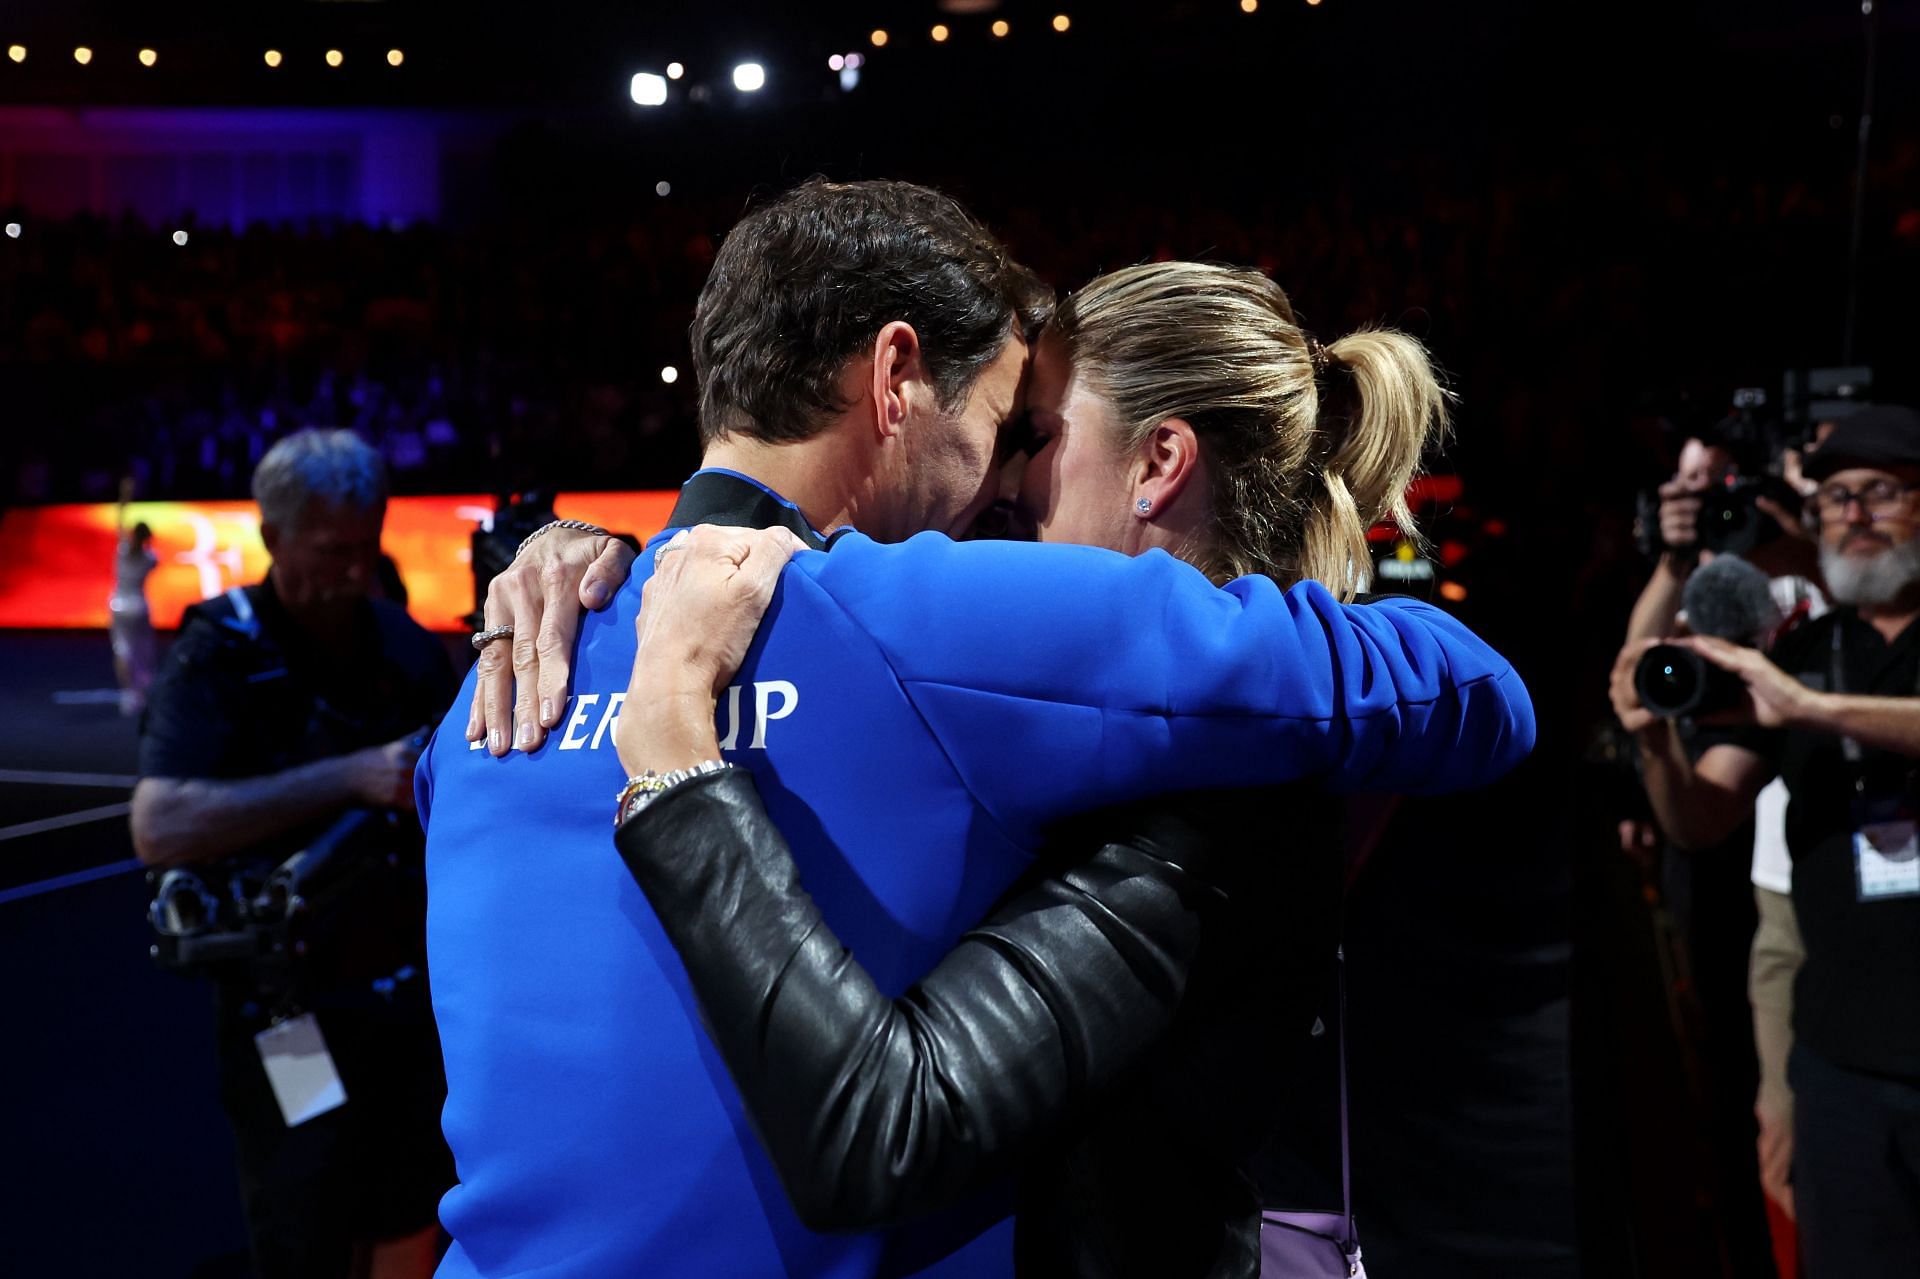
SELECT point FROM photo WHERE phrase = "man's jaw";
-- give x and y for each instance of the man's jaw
(1877, 580)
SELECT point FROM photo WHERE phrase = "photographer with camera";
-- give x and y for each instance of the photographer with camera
(1732, 557)
(1835, 713)
(276, 765)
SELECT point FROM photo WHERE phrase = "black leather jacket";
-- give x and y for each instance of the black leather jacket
(1126, 1032)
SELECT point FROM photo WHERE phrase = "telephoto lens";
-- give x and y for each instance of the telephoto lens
(1673, 682)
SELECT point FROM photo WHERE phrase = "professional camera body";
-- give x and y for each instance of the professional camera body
(1730, 521)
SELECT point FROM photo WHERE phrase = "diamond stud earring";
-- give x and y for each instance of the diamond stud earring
(1144, 505)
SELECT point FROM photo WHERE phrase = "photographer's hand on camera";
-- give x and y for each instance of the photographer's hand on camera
(521, 689)
(1680, 525)
(382, 776)
(1775, 699)
(1697, 802)
(1678, 517)
(1633, 716)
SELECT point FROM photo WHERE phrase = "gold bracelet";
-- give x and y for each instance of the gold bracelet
(643, 788)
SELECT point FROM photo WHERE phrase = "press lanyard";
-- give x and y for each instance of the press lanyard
(1837, 682)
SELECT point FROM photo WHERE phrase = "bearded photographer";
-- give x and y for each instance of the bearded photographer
(278, 745)
(1835, 714)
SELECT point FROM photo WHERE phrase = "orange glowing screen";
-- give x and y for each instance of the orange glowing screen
(56, 562)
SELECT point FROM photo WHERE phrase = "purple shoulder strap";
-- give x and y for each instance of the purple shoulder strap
(1319, 1245)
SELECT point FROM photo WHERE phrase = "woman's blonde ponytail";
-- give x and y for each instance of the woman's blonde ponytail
(1307, 447)
(1381, 406)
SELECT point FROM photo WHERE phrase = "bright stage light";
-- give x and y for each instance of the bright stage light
(395, 57)
(1249, 6)
(669, 375)
(749, 77)
(879, 39)
(13, 230)
(855, 61)
(940, 33)
(663, 188)
(180, 238)
(648, 89)
(1000, 28)
(273, 57)
(836, 63)
(1061, 22)
(18, 52)
(335, 57)
(83, 55)
(148, 57)
(675, 70)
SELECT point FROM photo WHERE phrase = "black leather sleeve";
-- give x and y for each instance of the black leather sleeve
(872, 1108)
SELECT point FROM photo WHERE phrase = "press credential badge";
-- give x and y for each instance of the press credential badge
(1886, 859)
(300, 1069)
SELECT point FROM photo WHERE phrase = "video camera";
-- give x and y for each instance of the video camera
(257, 920)
(256, 923)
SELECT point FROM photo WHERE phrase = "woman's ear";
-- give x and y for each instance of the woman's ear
(1168, 462)
(898, 376)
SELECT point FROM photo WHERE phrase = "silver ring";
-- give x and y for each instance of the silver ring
(672, 544)
(483, 638)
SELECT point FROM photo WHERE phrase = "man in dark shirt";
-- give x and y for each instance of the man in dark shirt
(1835, 713)
(277, 715)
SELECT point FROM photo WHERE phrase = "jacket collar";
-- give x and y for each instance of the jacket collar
(718, 496)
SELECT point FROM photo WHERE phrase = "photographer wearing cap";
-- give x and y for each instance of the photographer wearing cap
(276, 754)
(1834, 713)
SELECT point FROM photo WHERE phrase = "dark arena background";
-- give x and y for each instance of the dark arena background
(475, 235)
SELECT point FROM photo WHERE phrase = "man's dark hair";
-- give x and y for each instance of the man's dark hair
(805, 282)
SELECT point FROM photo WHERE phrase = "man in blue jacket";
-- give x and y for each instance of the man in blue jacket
(860, 350)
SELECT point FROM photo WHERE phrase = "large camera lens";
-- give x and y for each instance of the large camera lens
(1674, 681)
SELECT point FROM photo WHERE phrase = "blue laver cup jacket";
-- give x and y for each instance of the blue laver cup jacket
(915, 715)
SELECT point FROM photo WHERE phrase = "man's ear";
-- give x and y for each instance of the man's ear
(1168, 461)
(270, 538)
(899, 376)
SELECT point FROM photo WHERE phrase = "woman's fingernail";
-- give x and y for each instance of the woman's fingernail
(597, 595)
(496, 741)
(546, 711)
(526, 736)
